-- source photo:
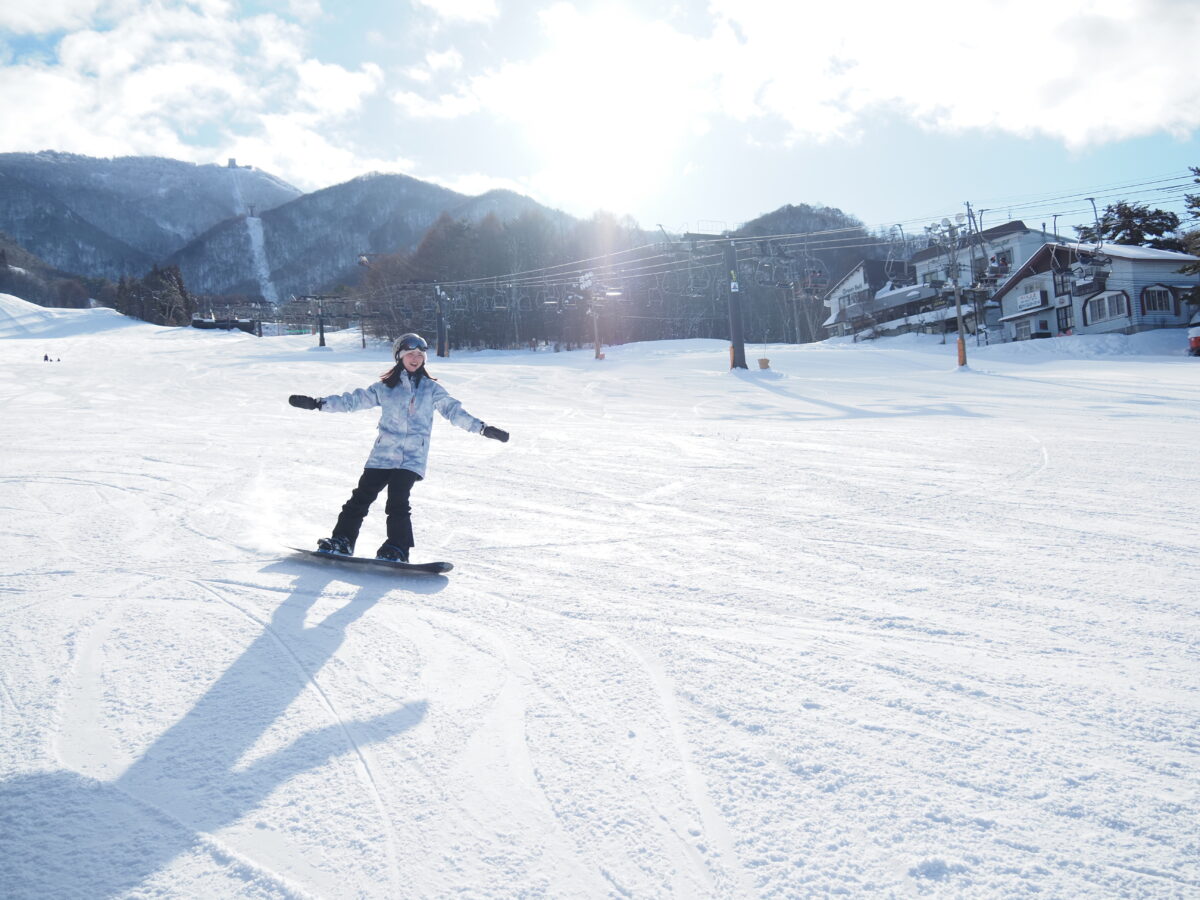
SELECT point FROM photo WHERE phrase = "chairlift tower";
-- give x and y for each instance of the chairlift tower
(737, 340)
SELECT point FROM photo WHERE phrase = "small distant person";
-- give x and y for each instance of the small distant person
(46, 358)
(408, 395)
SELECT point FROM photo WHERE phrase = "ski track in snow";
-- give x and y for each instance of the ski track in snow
(359, 751)
(861, 624)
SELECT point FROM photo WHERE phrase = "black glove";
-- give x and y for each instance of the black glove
(299, 400)
(496, 434)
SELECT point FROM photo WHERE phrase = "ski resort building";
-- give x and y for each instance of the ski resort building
(921, 298)
(851, 300)
(1071, 288)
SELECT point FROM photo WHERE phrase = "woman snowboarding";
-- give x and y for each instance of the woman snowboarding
(408, 396)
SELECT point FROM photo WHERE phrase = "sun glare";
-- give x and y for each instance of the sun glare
(601, 106)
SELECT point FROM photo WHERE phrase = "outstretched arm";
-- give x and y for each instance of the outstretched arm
(453, 410)
(352, 401)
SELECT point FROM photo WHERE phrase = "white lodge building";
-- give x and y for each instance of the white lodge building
(1070, 288)
(876, 299)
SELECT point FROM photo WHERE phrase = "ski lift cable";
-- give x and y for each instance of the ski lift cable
(848, 237)
(995, 202)
(1155, 193)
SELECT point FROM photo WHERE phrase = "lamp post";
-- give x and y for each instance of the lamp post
(945, 233)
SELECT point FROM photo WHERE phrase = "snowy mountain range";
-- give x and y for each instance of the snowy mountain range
(231, 229)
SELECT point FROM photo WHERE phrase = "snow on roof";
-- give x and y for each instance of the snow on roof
(888, 292)
(1126, 251)
(930, 317)
(1118, 251)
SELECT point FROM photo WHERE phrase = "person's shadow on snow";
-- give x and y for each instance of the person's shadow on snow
(67, 835)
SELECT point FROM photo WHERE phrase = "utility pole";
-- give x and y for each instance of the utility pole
(946, 234)
(795, 291)
(320, 299)
(972, 241)
(737, 349)
(737, 341)
(976, 238)
(516, 315)
(585, 285)
(443, 328)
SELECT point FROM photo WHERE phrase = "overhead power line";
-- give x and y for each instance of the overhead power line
(658, 258)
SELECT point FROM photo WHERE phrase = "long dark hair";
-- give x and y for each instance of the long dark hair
(392, 376)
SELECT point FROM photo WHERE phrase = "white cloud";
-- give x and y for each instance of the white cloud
(1080, 71)
(610, 104)
(447, 60)
(447, 106)
(305, 10)
(331, 91)
(606, 109)
(613, 100)
(474, 183)
(462, 10)
(435, 62)
(190, 81)
(288, 146)
(44, 16)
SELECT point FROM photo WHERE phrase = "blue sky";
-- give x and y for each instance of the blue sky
(692, 115)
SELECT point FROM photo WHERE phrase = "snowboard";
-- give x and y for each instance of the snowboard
(430, 568)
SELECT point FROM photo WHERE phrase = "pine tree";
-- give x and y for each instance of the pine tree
(1191, 239)
(1134, 224)
(441, 255)
(490, 247)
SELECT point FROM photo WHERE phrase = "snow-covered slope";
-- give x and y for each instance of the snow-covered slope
(19, 319)
(861, 624)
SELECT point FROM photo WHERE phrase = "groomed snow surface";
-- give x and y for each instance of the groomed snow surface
(860, 624)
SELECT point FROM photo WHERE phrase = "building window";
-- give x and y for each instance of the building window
(1000, 262)
(1158, 300)
(1104, 309)
(1022, 329)
(1062, 282)
(1066, 319)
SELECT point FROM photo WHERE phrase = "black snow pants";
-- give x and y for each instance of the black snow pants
(399, 483)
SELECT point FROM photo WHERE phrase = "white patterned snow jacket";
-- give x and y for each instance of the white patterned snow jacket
(406, 422)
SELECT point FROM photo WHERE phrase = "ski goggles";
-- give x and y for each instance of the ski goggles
(409, 344)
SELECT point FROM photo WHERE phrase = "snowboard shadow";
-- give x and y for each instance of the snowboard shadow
(63, 834)
(364, 577)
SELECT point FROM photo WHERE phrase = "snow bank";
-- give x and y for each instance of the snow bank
(22, 319)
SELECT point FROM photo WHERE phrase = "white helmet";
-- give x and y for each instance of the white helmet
(406, 343)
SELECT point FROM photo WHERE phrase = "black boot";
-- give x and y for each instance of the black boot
(392, 553)
(337, 545)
